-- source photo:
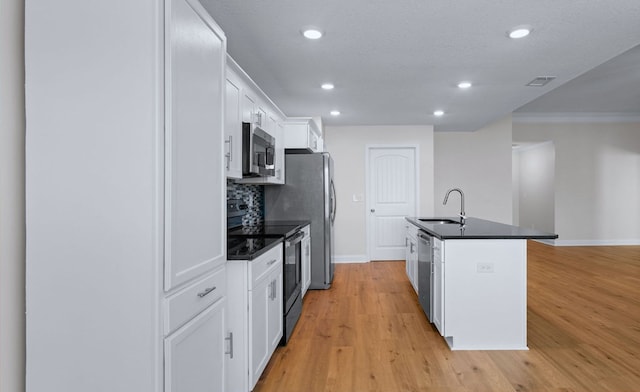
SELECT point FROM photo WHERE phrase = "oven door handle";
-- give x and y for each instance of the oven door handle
(294, 239)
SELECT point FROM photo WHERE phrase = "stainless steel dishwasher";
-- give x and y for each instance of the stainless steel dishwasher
(425, 272)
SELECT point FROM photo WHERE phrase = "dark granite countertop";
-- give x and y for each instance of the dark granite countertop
(475, 228)
(248, 248)
(248, 243)
(270, 228)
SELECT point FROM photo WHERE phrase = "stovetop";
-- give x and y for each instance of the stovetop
(243, 248)
(249, 242)
(266, 230)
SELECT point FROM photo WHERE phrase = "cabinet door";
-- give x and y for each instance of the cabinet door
(259, 299)
(261, 117)
(280, 156)
(194, 147)
(195, 354)
(438, 287)
(306, 265)
(248, 107)
(233, 130)
(277, 130)
(407, 250)
(275, 317)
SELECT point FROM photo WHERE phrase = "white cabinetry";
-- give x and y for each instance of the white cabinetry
(255, 315)
(233, 126)
(265, 319)
(480, 293)
(302, 133)
(125, 197)
(256, 108)
(194, 195)
(438, 286)
(411, 255)
(195, 352)
(306, 259)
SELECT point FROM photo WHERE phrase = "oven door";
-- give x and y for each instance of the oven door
(292, 276)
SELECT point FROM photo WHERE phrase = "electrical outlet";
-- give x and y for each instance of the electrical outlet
(485, 268)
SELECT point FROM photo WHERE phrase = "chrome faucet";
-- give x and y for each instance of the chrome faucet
(446, 197)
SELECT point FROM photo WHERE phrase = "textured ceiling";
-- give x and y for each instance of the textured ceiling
(395, 62)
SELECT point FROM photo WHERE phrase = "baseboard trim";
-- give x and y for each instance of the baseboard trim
(633, 241)
(350, 259)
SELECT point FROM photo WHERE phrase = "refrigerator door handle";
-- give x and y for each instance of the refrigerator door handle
(334, 202)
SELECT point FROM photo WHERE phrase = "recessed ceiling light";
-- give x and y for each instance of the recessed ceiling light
(327, 86)
(519, 32)
(438, 113)
(335, 112)
(464, 84)
(312, 33)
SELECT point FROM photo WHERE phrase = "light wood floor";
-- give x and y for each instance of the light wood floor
(368, 333)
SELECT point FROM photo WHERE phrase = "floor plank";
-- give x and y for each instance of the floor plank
(368, 332)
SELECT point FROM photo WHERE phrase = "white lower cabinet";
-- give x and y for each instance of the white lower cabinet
(438, 286)
(265, 319)
(480, 293)
(255, 315)
(306, 259)
(411, 255)
(195, 353)
(195, 335)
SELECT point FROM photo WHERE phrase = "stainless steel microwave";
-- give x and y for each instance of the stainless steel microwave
(258, 152)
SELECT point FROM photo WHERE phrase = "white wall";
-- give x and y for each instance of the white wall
(479, 163)
(597, 179)
(536, 186)
(12, 226)
(347, 147)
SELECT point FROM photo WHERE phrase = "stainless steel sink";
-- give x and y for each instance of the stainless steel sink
(438, 221)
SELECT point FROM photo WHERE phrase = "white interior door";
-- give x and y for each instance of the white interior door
(391, 195)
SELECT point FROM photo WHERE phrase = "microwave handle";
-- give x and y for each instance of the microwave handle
(270, 152)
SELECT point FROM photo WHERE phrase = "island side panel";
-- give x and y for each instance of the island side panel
(486, 294)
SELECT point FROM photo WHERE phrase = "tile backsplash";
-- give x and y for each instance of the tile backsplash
(253, 197)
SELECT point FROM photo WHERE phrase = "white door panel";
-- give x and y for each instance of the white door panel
(392, 184)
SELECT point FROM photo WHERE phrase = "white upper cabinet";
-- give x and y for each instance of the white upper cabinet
(194, 198)
(302, 133)
(256, 108)
(233, 127)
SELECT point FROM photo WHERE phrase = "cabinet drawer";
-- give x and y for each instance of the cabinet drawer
(188, 302)
(263, 265)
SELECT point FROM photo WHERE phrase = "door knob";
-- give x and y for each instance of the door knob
(373, 210)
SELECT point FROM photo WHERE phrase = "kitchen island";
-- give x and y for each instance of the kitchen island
(478, 281)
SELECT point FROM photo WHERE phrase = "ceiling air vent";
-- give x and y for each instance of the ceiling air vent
(540, 81)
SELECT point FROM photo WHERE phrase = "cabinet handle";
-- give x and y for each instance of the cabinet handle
(230, 153)
(272, 288)
(271, 262)
(206, 291)
(230, 339)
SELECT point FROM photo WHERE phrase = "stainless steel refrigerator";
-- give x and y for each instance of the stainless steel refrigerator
(308, 194)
